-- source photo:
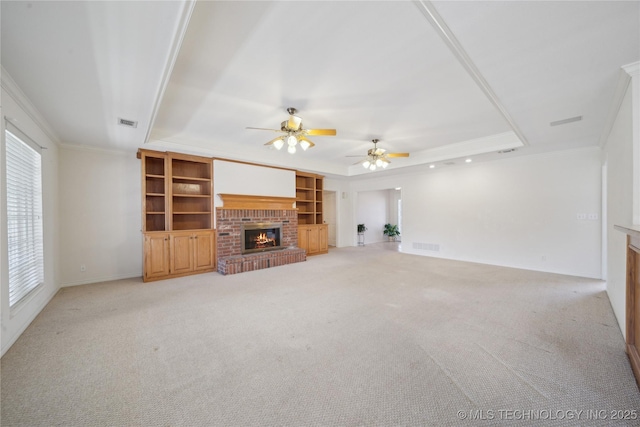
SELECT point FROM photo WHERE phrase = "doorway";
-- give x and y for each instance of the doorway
(329, 214)
(375, 208)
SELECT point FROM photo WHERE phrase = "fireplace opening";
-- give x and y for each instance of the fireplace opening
(261, 236)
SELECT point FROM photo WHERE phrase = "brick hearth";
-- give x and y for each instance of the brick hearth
(258, 261)
(229, 228)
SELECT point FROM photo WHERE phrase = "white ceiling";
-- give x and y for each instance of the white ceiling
(442, 80)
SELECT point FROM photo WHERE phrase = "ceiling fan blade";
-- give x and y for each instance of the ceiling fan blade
(274, 140)
(320, 132)
(379, 151)
(294, 122)
(274, 130)
(397, 154)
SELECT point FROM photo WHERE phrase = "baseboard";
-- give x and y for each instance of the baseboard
(634, 359)
(102, 279)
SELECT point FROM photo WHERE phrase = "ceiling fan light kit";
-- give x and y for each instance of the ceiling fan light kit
(295, 134)
(304, 145)
(378, 157)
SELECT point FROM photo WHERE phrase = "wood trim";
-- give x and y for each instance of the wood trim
(189, 157)
(309, 174)
(633, 230)
(633, 297)
(140, 150)
(253, 164)
(633, 284)
(634, 359)
(241, 201)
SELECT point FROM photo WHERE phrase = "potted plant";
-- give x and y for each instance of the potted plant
(361, 229)
(391, 231)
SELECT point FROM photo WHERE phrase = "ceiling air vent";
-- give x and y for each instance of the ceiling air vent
(125, 122)
(565, 121)
(508, 150)
(449, 163)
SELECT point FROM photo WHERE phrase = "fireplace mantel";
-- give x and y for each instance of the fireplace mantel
(242, 201)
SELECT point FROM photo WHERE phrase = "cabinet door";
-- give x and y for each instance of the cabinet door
(204, 252)
(314, 240)
(303, 238)
(156, 255)
(181, 252)
(323, 238)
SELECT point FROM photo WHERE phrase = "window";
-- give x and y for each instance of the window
(24, 215)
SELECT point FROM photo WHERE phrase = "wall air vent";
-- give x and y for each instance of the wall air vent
(565, 121)
(129, 123)
(434, 247)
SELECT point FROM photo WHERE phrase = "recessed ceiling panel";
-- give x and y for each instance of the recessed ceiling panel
(368, 69)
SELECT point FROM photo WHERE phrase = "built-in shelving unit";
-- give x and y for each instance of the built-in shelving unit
(312, 232)
(309, 198)
(191, 193)
(177, 214)
(154, 172)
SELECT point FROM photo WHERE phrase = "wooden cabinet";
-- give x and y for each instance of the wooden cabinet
(156, 256)
(632, 309)
(192, 251)
(313, 234)
(323, 238)
(204, 251)
(177, 199)
(313, 238)
(181, 253)
(178, 253)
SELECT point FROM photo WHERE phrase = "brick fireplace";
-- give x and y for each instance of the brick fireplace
(240, 210)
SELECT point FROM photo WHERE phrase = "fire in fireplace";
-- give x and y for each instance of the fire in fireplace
(261, 236)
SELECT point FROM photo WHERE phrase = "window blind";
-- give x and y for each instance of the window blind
(24, 216)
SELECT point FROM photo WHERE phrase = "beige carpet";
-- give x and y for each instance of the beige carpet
(361, 336)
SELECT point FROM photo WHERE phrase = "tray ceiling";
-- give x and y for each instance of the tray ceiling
(442, 80)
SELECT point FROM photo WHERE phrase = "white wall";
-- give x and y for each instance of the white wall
(252, 180)
(100, 215)
(618, 157)
(373, 211)
(16, 320)
(345, 235)
(519, 212)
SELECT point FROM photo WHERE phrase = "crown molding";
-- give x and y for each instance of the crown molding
(12, 88)
(632, 69)
(100, 150)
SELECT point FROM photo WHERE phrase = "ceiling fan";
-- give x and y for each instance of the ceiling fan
(295, 134)
(378, 157)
